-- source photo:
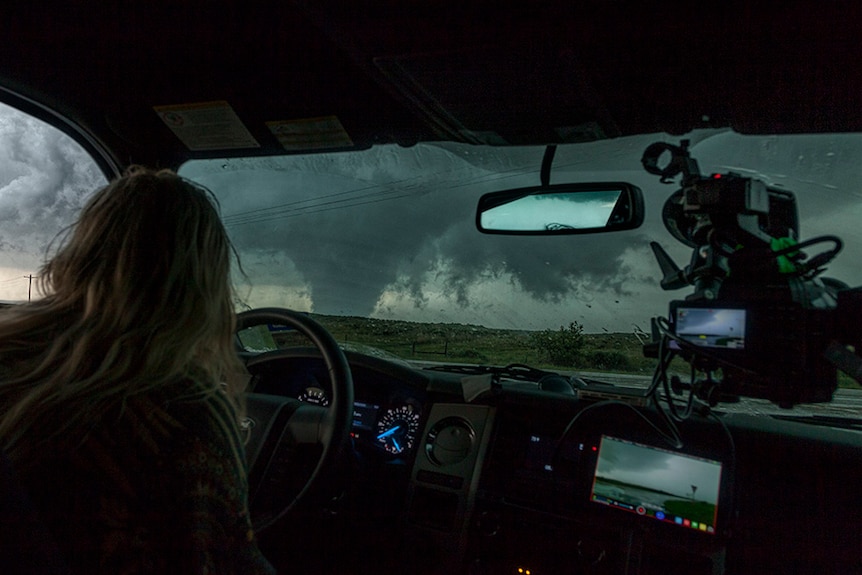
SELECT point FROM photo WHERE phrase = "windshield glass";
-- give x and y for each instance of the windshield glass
(389, 234)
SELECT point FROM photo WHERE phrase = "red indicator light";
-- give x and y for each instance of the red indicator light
(595, 448)
(716, 176)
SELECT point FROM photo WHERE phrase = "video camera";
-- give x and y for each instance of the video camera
(759, 313)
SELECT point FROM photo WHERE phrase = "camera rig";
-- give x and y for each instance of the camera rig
(760, 322)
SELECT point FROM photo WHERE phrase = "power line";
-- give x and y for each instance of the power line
(275, 212)
(315, 211)
(265, 214)
(10, 280)
(240, 215)
(295, 209)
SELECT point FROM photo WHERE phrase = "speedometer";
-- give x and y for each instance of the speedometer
(397, 428)
(314, 395)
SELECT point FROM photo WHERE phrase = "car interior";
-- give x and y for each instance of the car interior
(550, 132)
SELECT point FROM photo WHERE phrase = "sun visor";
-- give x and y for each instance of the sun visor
(207, 126)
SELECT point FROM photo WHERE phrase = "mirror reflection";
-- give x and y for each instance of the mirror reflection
(553, 211)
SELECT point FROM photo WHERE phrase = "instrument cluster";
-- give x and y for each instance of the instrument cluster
(391, 428)
(387, 412)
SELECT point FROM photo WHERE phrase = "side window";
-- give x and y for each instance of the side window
(45, 177)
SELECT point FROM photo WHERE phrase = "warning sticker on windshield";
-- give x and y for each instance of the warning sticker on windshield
(207, 126)
(311, 133)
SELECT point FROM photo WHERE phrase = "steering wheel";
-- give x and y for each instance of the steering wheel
(278, 428)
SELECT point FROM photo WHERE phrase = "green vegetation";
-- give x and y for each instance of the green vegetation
(847, 382)
(565, 349)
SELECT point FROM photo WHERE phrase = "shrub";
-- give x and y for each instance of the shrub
(561, 347)
(608, 360)
(471, 354)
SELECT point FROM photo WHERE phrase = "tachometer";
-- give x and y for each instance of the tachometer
(314, 395)
(397, 428)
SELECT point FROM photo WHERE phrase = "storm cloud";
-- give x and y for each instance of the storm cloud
(45, 177)
(390, 231)
(408, 224)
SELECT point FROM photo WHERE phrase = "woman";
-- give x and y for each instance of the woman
(112, 408)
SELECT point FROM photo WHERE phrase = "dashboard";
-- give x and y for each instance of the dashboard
(522, 480)
(388, 405)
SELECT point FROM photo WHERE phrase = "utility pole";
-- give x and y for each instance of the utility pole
(29, 286)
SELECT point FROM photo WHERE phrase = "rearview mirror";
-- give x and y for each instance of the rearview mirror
(562, 209)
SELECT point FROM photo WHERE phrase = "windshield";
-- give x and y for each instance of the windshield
(382, 243)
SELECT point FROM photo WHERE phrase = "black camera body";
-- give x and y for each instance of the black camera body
(767, 346)
(758, 313)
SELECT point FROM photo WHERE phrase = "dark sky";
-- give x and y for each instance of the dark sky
(413, 245)
(44, 179)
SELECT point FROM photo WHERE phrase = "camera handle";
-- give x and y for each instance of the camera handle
(706, 271)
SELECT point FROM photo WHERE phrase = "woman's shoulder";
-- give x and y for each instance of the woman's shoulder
(205, 412)
(184, 411)
(170, 466)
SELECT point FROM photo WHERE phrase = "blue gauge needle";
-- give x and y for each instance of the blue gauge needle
(395, 443)
(388, 433)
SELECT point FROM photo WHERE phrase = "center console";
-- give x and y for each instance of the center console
(607, 488)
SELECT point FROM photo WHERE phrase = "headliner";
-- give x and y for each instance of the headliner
(414, 70)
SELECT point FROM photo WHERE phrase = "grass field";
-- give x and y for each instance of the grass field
(464, 343)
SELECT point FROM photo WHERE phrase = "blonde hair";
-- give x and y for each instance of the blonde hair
(137, 298)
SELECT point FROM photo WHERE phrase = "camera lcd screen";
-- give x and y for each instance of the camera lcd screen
(722, 328)
(656, 484)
